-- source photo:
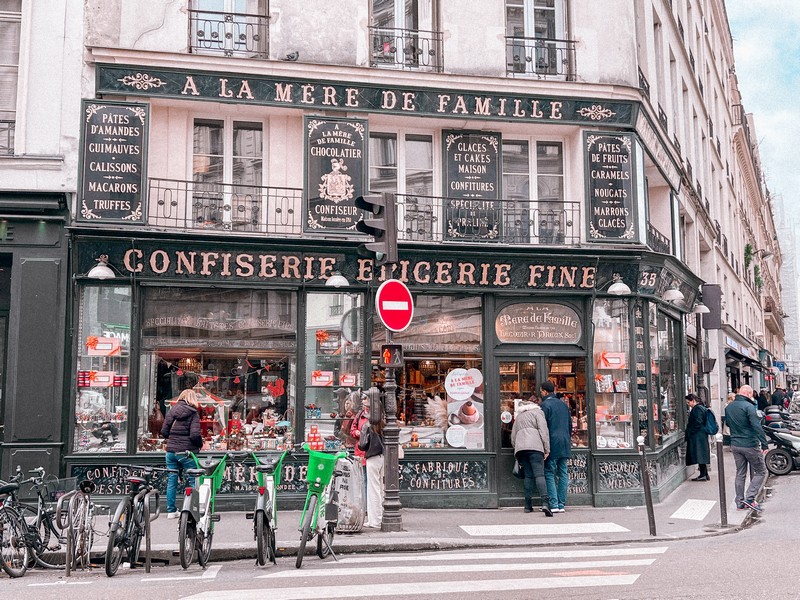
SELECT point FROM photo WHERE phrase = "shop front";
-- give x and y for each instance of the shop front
(278, 357)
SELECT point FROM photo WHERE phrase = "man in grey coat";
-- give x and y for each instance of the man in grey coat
(748, 445)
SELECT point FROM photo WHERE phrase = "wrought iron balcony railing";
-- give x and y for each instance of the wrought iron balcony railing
(406, 49)
(224, 207)
(657, 241)
(229, 34)
(506, 221)
(7, 137)
(543, 58)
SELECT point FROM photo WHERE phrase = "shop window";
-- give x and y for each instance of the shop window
(227, 172)
(612, 390)
(402, 34)
(334, 368)
(228, 27)
(103, 369)
(665, 365)
(10, 17)
(535, 36)
(440, 395)
(236, 348)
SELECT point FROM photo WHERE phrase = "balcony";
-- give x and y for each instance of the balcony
(229, 34)
(410, 49)
(7, 137)
(542, 58)
(657, 241)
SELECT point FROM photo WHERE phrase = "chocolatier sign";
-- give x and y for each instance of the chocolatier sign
(335, 161)
(113, 161)
(472, 185)
(610, 187)
(538, 323)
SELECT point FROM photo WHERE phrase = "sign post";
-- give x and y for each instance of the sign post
(396, 309)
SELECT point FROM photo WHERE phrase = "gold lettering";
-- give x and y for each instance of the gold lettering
(460, 106)
(283, 92)
(443, 272)
(184, 261)
(244, 263)
(352, 97)
(567, 277)
(536, 112)
(485, 274)
(159, 256)
(244, 90)
(408, 101)
(551, 271)
(307, 97)
(267, 268)
(502, 111)
(418, 269)
(364, 269)
(535, 274)
(291, 265)
(224, 92)
(555, 110)
(404, 271)
(226, 264)
(209, 260)
(466, 271)
(309, 260)
(482, 105)
(443, 100)
(389, 100)
(587, 280)
(517, 112)
(329, 95)
(501, 276)
(326, 264)
(133, 267)
(189, 86)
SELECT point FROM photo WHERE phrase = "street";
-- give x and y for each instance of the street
(716, 566)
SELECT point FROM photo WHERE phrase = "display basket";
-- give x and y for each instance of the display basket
(55, 488)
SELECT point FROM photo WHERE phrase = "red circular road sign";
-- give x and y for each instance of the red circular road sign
(394, 305)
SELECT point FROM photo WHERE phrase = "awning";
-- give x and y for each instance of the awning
(732, 356)
(25, 202)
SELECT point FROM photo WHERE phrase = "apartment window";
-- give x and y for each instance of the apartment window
(227, 172)
(403, 34)
(10, 17)
(535, 35)
(229, 27)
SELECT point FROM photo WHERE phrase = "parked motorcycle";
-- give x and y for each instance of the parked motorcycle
(785, 456)
(776, 414)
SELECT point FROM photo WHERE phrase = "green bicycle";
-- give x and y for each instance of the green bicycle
(265, 514)
(321, 509)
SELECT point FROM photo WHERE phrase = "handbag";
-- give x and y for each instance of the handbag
(517, 470)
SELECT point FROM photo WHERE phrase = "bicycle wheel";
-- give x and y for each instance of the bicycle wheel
(262, 541)
(272, 545)
(85, 534)
(45, 543)
(325, 540)
(13, 551)
(137, 532)
(204, 551)
(117, 543)
(187, 537)
(305, 530)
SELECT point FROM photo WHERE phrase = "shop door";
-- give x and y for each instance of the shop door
(519, 379)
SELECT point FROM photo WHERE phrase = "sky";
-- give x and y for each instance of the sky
(767, 57)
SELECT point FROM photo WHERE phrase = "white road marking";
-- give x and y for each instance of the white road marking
(422, 588)
(60, 583)
(514, 555)
(695, 510)
(493, 567)
(554, 529)
(209, 573)
(394, 305)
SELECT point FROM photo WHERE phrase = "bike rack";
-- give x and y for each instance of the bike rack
(147, 520)
(65, 525)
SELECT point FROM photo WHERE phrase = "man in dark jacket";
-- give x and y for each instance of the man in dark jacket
(182, 431)
(559, 424)
(748, 444)
(778, 397)
(697, 450)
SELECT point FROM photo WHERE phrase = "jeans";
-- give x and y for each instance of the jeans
(754, 458)
(181, 463)
(532, 462)
(555, 473)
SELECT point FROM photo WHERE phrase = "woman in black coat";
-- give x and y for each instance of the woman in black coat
(182, 432)
(697, 449)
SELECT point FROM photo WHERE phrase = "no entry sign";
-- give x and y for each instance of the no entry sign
(394, 305)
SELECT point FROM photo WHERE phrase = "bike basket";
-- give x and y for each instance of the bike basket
(320, 466)
(58, 487)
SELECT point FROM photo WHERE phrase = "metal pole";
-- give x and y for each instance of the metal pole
(723, 501)
(392, 518)
(648, 494)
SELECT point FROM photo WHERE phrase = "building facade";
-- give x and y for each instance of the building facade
(559, 184)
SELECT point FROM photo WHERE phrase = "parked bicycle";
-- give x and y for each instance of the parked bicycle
(131, 518)
(75, 517)
(265, 516)
(14, 552)
(320, 511)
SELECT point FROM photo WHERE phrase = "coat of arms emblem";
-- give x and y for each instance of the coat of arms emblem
(336, 185)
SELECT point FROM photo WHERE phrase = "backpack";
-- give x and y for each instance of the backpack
(712, 428)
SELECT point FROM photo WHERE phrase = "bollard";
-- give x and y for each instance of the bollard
(723, 502)
(648, 493)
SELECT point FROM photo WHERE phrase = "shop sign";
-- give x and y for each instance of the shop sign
(113, 161)
(335, 152)
(472, 185)
(538, 323)
(322, 95)
(419, 475)
(618, 475)
(329, 341)
(578, 472)
(460, 383)
(610, 189)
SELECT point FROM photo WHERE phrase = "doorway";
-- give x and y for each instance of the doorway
(520, 379)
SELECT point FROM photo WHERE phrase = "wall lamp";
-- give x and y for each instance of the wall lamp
(673, 294)
(102, 270)
(701, 309)
(764, 254)
(337, 280)
(618, 287)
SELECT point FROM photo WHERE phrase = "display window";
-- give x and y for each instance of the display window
(440, 395)
(103, 369)
(665, 368)
(612, 389)
(334, 368)
(236, 348)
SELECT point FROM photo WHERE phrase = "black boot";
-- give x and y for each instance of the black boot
(528, 505)
(548, 512)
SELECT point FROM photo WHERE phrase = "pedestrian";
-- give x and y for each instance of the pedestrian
(182, 431)
(726, 432)
(778, 397)
(362, 417)
(559, 424)
(748, 445)
(697, 449)
(372, 443)
(531, 441)
(763, 400)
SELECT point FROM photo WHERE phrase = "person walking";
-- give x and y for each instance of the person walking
(697, 449)
(559, 424)
(763, 400)
(372, 443)
(748, 445)
(531, 440)
(182, 431)
(778, 397)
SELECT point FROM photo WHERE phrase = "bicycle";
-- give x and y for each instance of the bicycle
(14, 552)
(196, 525)
(131, 518)
(75, 517)
(320, 511)
(265, 515)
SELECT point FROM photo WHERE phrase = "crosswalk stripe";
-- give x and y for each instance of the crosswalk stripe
(209, 573)
(384, 571)
(408, 589)
(549, 529)
(695, 510)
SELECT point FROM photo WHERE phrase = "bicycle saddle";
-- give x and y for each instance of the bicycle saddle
(7, 488)
(268, 468)
(87, 486)
(207, 467)
(136, 481)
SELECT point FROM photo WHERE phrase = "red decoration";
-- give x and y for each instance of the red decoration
(276, 388)
(322, 335)
(91, 342)
(179, 372)
(316, 374)
(236, 380)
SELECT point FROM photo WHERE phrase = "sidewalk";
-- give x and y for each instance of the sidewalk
(434, 529)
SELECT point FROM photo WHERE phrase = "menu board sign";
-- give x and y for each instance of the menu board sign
(610, 187)
(113, 163)
(537, 323)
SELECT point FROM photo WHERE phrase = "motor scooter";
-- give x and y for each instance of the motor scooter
(785, 456)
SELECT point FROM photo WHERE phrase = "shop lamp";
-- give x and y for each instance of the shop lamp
(101, 270)
(764, 254)
(701, 309)
(673, 294)
(337, 280)
(618, 287)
